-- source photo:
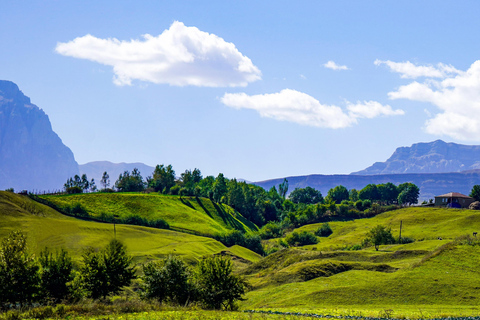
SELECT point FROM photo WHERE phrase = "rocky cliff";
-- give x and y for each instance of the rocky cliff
(433, 157)
(32, 156)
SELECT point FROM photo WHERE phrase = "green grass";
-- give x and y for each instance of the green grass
(47, 227)
(200, 216)
(424, 278)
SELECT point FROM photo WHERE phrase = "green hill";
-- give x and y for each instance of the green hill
(47, 227)
(199, 216)
(424, 278)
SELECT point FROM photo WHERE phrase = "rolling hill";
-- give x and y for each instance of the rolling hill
(194, 215)
(47, 227)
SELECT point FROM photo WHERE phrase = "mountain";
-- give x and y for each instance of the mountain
(96, 169)
(32, 156)
(430, 184)
(433, 157)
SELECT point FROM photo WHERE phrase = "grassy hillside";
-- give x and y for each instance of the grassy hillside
(426, 277)
(195, 215)
(46, 227)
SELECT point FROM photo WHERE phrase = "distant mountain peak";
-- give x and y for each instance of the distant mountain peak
(428, 157)
(32, 156)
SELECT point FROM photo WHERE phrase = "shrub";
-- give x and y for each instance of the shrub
(236, 237)
(324, 230)
(359, 205)
(56, 273)
(271, 230)
(366, 204)
(175, 190)
(107, 271)
(302, 238)
(379, 235)
(218, 287)
(405, 240)
(19, 276)
(74, 190)
(168, 279)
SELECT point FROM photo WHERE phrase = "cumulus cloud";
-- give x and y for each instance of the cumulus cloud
(332, 65)
(180, 56)
(456, 96)
(294, 106)
(409, 70)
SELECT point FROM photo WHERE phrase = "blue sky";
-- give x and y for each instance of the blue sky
(253, 89)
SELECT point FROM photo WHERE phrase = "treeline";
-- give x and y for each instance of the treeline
(54, 277)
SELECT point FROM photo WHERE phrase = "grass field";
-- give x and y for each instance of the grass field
(46, 227)
(200, 216)
(434, 277)
(420, 279)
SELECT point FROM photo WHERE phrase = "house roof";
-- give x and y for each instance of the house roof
(453, 195)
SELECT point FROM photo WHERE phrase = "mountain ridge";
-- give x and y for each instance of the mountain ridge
(428, 157)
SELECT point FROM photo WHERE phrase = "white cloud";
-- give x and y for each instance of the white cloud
(372, 109)
(409, 70)
(458, 98)
(294, 106)
(179, 56)
(332, 65)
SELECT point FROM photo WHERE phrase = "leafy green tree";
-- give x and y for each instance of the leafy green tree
(56, 273)
(337, 194)
(168, 279)
(369, 192)
(324, 230)
(283, 188)
(379, 235)
(307, 195)
(301, 238)
(105, 181)
(475, 193)
(163, 178)
(353, 195)
(130, 182)
(235, 196)
(19, 272)
(219, 187)
(388, 192)
(408, 193)
(218, 287)
(107, 271)
(190, 179)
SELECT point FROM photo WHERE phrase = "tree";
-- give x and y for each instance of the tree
(283, 188)
(337, 194)
(19, 272)
(130, 182)
(369, 192)
(168, 279)
(306, 195)
(107, 271)
(219, 187)
(56, 273)
(105, 181)
(475, 193)
(408, 193)
(388, 192)
(379, 235)
(218, 287)
(353, 195)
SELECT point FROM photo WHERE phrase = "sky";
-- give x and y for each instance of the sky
(253, 89)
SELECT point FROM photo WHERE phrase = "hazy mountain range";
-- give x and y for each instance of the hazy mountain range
(32, 156)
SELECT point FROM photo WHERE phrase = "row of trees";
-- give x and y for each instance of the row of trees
(54, 277)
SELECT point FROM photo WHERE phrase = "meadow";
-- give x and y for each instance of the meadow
(435, 276)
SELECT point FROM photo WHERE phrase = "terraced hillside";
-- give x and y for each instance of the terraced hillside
(428, 276)
(47, 227)
(200, 216)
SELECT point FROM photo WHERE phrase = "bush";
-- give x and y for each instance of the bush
(405, 240)
(302, 238)
(271, 230)
(379, 235)
(56, 274)
(168, 280)
(236, 237)
(74, 190)
(324, 230)
(218, 287)
(19, 276)
(175, 190)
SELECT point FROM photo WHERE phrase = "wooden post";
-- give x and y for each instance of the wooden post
(400, 236)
